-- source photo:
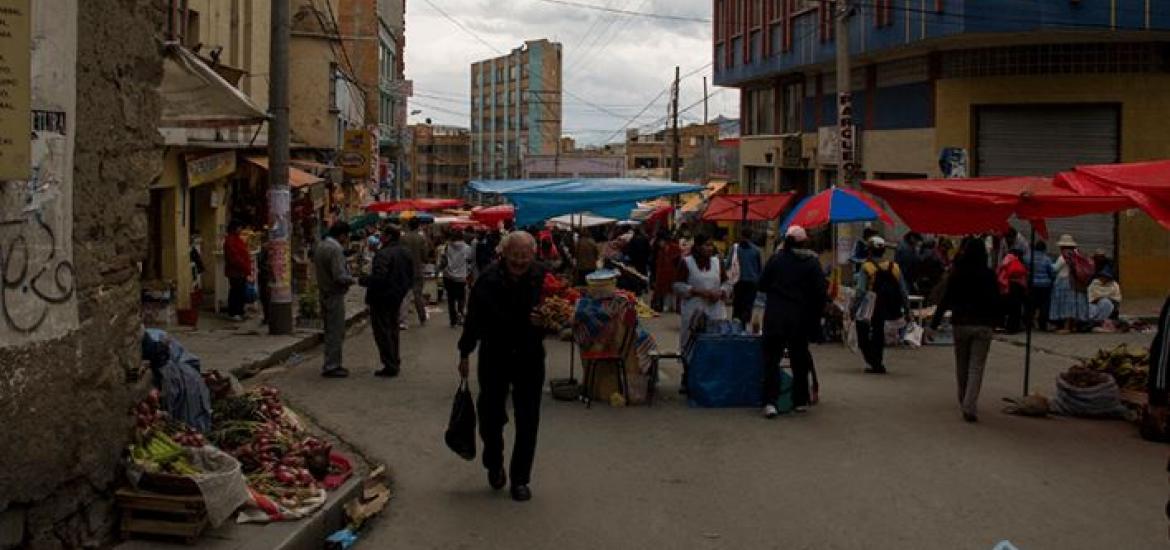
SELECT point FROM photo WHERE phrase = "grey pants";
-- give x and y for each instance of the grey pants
(333, 313)
(415, 297)
(972, 343)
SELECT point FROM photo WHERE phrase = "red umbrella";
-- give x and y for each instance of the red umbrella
(413, 204)
(493, 215)
(747, 208)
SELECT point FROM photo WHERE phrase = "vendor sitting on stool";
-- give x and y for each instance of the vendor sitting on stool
(1104, 300)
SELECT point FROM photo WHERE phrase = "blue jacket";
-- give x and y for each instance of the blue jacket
(1042, 275)
(751, 263)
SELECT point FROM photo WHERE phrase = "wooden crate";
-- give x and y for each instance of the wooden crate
(156, 514)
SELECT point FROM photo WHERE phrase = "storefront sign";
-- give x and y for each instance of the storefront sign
(355, 154)
(847, 134)
(15, 90)
(208, 168)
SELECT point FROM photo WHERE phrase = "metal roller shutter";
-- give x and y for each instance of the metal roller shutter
(1038, 140)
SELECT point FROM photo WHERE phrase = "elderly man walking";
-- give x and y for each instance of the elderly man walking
(511, 358)
(333, 282)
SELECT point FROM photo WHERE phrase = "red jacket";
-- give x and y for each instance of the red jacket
(1011, 271)
(237, 259)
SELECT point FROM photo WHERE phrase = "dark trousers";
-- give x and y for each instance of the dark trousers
(525, 383)
(333, 313)
(796, 343)
(1039, 302)
(384, 323)
(236, 295)
(1013, 305)
(871, 338)
(743, 302)
(456, 296)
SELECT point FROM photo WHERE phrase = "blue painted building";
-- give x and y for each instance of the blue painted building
(1023, 87)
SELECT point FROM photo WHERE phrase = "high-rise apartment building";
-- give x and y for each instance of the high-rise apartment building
(515, 109)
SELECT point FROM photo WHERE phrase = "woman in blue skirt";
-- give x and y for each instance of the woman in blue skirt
(1070, 304)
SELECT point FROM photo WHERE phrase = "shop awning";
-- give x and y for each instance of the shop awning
(196, 96)
(492, 216)
(296, 178)
(695, 203)
(977, 205)
(570, 221)
(539, 200)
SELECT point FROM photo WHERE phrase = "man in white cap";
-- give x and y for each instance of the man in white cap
(884, 279)
(796, 289)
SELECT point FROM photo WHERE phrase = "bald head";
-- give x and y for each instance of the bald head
(518, 250)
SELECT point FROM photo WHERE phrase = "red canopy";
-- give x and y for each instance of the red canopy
(735, 208)
(1147, 184)
(426, 205)
(493, 215)
(976, 205)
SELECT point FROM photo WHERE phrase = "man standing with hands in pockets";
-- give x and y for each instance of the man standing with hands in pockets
(500, 322)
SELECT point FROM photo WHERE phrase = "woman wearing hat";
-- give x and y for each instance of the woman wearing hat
(1070, 304)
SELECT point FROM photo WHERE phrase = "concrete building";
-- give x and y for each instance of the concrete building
(651, 154)
(515, 109)
(1054, 84)
(326, 98)
(439, 161)
(74, 237)
(575, 164)
(374, 40)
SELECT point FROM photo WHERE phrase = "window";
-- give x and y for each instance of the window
(792, 97)
(760, 118)
(512, 73)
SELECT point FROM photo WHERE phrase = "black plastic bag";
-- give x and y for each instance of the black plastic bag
(460, 434)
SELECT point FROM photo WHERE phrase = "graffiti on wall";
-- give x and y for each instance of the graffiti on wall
(37, 277)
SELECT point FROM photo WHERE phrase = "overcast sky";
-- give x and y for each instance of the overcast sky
(617, 62)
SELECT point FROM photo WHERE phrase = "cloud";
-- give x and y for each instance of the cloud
(616, 62)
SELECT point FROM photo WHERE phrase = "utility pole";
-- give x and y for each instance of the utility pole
(280, 313)
(674, 172)
(846, 130)
(706, 142)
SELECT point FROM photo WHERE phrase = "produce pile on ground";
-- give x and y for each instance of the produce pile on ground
(159, 439)
(278, 458)
(1128, 368)
(1084, 377)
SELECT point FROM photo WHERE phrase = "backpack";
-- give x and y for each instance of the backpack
(1081, 270)
(889, 292)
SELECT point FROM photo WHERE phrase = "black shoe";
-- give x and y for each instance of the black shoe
(521, 493)
(970, 418)
(497, 479)
(339, 372)
(386, 373)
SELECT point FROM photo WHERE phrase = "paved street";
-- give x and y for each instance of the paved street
(881, 463)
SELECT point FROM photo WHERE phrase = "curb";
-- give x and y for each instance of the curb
(248, 370)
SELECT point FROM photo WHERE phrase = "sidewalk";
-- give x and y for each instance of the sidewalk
(1078, 346)
(246, 348)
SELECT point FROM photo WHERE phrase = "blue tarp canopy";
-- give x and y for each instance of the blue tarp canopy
(539, 200)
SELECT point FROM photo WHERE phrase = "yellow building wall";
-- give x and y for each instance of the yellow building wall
(244, 36)
(310, 119)
(1144, 255)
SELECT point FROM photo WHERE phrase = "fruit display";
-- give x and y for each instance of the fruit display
(555, 313)
(1128, 368)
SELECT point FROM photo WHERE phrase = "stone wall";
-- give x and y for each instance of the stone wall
(63, 401)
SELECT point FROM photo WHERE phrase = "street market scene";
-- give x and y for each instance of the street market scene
(708, 274)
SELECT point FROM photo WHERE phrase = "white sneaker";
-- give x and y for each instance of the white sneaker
(770, 411)
(801, 409)
(402, 326)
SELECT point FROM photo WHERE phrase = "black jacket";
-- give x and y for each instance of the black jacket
(498, 320)
(972, 298)
(796, 289)
(391, 277)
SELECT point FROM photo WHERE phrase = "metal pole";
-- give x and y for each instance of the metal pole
(674, 172)
(1028, 328)
(280, 314)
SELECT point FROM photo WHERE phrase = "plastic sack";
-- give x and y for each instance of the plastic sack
(725, 371)
(865, 307)
(460, 435)
(893, 332)
(221, 484)
(912, 335)
(1100, 401)
(785, 403)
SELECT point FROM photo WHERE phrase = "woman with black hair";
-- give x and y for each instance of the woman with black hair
(972, 297)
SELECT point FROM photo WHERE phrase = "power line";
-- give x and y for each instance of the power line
(595, 7)
(463, 28)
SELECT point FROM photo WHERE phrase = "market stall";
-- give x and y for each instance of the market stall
(536, 201)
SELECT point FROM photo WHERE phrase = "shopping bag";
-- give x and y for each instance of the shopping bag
(865, 306)
(460, 436)
(893, 331)
(912, 335)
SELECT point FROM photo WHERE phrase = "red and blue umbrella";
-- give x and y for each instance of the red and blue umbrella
(836, 205)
